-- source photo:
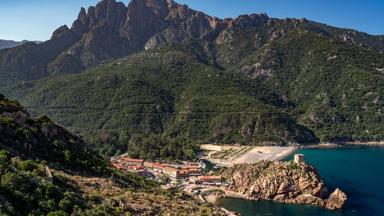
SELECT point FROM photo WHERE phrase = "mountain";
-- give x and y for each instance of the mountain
(4, 44)
(157, 77)
(111, 30)
(8, 44)
(46, 170)
(164, 91)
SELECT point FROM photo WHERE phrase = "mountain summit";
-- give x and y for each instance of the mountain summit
(107, 30)
(111, 30)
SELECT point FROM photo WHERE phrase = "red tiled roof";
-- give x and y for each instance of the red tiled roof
(118, 166)
(132, 160)
(136, 167)
(190, 167)
(210, 177)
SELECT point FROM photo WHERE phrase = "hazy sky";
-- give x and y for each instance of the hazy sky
(37, 19)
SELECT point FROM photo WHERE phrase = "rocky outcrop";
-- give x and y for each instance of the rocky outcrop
(336, 200)
(284, 182)
(112, 30)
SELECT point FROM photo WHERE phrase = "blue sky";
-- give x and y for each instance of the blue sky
(37, 19)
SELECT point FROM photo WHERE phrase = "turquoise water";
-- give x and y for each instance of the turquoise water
(358, 172)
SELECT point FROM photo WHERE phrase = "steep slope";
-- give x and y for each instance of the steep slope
(252, 79)
(42, 139)
(164, 91)
(284, 182)
(111, 30)
(108, 30)
(336, 89)
(45, 170)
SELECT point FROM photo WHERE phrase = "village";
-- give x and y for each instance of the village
(199, 177)
(169, 174)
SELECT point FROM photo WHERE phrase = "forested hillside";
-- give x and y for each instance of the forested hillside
(45, 170)
(171, 78)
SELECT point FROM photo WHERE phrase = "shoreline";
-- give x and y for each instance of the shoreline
(213, 196)
(254, 154)
(336, 145)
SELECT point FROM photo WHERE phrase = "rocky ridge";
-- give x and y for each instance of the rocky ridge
(284, 182)
(112, 30)
(325, 80)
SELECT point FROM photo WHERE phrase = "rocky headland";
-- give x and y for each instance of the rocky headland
(284, 182)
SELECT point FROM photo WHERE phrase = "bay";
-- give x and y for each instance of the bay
(358, 171)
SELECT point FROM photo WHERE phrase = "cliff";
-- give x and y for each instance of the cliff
(284, 182)
(111, 30)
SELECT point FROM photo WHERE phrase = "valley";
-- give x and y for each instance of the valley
(150, 107)
(247, 80)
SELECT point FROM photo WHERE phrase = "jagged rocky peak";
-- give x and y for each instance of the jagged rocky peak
(251, 20)
(157, 7)
(59, 31)
(148, 23)
(82, 13)
(106, 11)
(111, 11)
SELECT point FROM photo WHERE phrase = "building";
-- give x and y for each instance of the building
(136, 168)
(131, 162)
(210, 179)
(118, 166)
(156, 167)
(174, 171)
(191, 170)
(171, 172)
(299, 158)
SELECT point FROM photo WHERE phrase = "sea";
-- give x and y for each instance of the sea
(358, 171)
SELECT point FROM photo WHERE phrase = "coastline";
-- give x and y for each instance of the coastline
(213, 196)
(343, 145)
(252, 154)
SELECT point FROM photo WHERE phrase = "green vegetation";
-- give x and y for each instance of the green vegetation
(25, 190)
(166, 93)
(278, 84)
(46, 170)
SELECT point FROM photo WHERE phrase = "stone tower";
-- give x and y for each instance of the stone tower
(299, 158)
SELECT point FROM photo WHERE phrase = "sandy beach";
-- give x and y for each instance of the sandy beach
(228, 155)
(270, 153)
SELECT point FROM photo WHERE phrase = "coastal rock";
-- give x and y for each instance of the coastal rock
(285, 182)
(336, 200)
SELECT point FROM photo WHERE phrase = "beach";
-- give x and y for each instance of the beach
(229, 155)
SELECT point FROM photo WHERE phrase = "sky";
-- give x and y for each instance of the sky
(37, 19)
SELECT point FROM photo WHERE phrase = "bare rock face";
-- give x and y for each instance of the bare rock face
(113, 30)
(284, 182)
(336, 200)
